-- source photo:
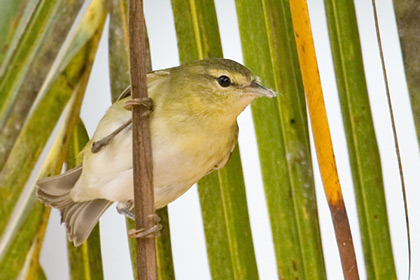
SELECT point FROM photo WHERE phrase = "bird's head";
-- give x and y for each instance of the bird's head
(219, 86)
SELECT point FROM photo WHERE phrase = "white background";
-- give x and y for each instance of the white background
(188, 242)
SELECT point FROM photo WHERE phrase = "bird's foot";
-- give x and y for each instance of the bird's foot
(153, 231)
(124, 208)
(146, 102)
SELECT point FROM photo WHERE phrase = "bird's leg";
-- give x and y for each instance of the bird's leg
(124, 208)
(99, 145)
(146, 102)
(153, 231)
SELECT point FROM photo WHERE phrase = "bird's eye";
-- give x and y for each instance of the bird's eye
(224, 81)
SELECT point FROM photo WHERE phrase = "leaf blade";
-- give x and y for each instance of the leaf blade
(269, 49)
(225, 227)
(32, 139)
(361, 139)
(25, 93)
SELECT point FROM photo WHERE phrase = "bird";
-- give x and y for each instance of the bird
(193, 128)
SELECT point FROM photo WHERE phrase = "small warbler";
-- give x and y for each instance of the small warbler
(193, 132)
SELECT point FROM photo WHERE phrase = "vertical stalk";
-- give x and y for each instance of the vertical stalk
(362, 146)
(142, 150)
(120, 79)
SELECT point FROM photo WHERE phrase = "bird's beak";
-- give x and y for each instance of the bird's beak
(258, 90)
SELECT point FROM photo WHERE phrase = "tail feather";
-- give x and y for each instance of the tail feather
(79, 217)
(61, 184)
(72, 212)
(53, 201)
(85, 219)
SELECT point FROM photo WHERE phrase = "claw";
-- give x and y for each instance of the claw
(147, 103)
(154, 231)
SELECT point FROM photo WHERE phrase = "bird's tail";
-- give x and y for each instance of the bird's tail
(79, 217)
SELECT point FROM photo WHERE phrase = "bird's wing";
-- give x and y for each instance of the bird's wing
(99, 143)
(151, 77)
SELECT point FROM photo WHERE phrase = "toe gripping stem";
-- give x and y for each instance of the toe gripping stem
(151, 232)
(146, 102)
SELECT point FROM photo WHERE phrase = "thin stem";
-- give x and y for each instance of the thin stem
(142, 152)
(394, 131)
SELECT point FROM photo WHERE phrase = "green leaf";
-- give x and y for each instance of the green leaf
(86, 260)
(408, 22)
(165, 263)
(361, 140)
(118, 48)
(14, 251)
(33, 74)
(269, 50)
(74, 73)
(25, 51)
(17, 243)
(35, 270)
(25, 232)
(14, 19)
(222, 194)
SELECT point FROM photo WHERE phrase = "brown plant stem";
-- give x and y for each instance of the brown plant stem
(142, 152)
(394, 131)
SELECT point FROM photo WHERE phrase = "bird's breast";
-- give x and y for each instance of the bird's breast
(182, 158)
(186, 157)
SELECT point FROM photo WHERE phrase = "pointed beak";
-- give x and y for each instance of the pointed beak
(258, 90)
